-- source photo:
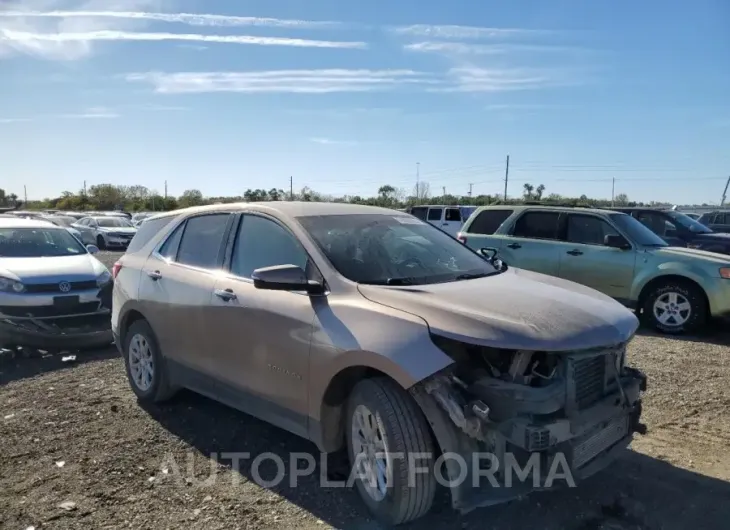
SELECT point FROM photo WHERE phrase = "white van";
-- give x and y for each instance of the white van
(447, 218)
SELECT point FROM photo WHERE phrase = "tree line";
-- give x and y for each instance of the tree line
(104, 197)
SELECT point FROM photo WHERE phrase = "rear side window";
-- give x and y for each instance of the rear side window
(488, 221)
(201, 241)
(172, 243)
(420, 212)
(537, 225)
(588, 230)
(147, 231)
(434, 214)
(453, 214)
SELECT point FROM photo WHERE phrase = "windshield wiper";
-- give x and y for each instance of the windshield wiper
(472, 276)
(400, 281)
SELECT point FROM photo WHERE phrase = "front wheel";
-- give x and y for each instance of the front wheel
(100, 243)
(675, 307)
(387, 433)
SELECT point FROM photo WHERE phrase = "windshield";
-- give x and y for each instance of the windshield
(38, 243)
(113, 222)
(636, 231)
(687, 222)
(393, 250)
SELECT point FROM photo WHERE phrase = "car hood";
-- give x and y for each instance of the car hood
(714, 236)
(691, 254)
(48, 270)
(118, 229)
(516, 309)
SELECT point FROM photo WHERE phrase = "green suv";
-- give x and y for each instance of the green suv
(674, 289)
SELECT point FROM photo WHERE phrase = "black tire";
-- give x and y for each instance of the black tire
(161, 388)
(697, 317)
(100, 242)
(406, 432)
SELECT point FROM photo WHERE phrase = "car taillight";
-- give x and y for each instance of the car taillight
(461, 237)
(116, 268)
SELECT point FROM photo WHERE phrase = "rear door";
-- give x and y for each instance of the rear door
(534, 242)
(586, 260)
(435, 216)
(481, 230)
(452, 221)
(176, 288)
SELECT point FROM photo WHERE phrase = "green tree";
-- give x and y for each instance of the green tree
(190, 198)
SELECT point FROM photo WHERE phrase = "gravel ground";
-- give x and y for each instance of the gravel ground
(78, 451)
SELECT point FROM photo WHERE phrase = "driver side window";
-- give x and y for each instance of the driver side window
(262, 243)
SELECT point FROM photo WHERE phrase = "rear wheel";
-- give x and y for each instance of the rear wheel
(385, 432)
(145, 365)
(100, 242)
(675, 307)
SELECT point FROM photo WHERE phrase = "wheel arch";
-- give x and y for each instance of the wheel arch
(326, 427)
(667, 278)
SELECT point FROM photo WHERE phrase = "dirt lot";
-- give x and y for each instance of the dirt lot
(73, 433)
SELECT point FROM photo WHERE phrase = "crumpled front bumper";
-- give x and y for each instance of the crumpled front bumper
(534, 439)
(59, 333)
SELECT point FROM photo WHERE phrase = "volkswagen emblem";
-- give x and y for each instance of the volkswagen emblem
(64, 287)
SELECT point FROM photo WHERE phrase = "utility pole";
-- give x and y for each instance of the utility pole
(506, 178)
(25, 194)
(291, 188)
(84, 187)
(470, 186)
(418, 183)
(443, 188)
(165, 190)
(613, 191)
(724, 193)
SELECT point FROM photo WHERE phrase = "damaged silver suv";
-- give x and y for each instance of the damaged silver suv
(369, 331)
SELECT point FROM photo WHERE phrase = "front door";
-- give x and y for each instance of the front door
(533, 242)
(261, 338)
(585, 259)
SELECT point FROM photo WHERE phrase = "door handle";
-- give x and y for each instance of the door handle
(155, 275)
(514, 245)
(225, 294)
(575, 252)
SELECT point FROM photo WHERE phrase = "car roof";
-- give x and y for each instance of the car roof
(19, 222)
(286, 208)
(520, 207)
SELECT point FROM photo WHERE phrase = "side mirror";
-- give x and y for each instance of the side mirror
(285, 278)
(93, 249)
(616, 241)
(492, 256)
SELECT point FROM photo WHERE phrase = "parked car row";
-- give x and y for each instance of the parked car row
(674, 288)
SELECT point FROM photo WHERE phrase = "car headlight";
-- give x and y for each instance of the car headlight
(725, 273)
(104, 278)
(11, 286)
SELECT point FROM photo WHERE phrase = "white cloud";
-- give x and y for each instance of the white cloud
(463, 32)
(330, 141)
(462, 48)
(192, 19)
(292, 81)
(14, 120)
(88, 114)
(36, 40)
(473, 79)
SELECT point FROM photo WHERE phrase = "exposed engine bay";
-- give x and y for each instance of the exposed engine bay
(583, 406)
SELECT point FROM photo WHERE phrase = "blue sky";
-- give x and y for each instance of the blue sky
(345, 95)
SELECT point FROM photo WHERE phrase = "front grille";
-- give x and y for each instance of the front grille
(54, 287)
(589, 380)
(595, 443)
(49, 310)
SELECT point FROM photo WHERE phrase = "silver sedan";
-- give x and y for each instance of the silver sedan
(54, 294)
